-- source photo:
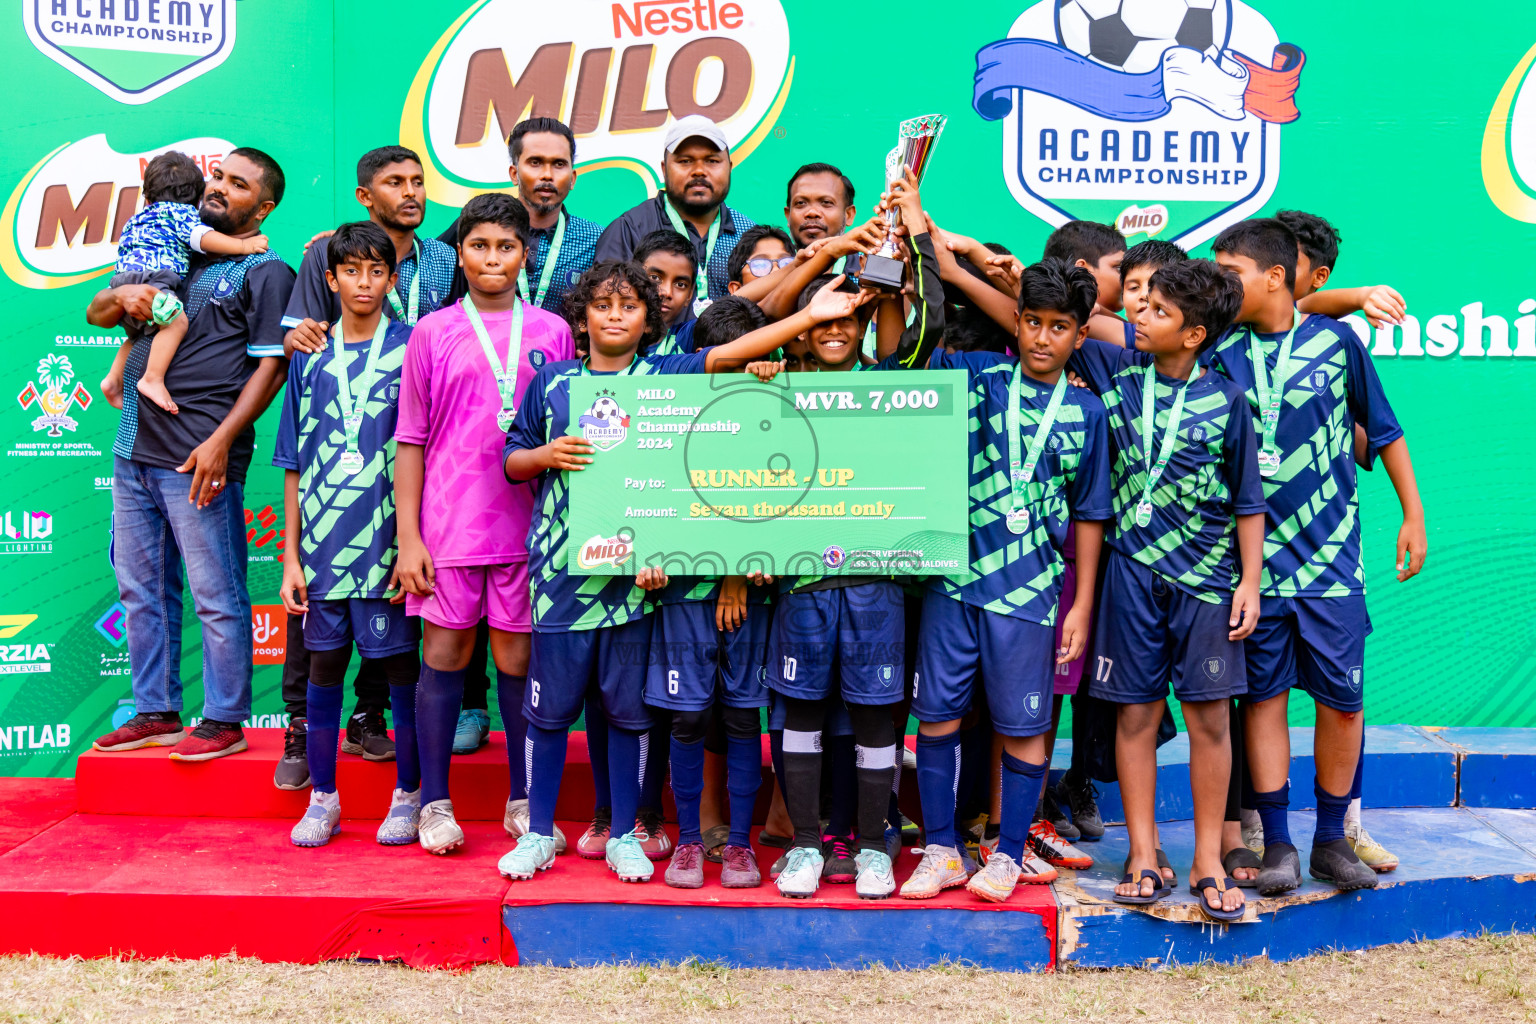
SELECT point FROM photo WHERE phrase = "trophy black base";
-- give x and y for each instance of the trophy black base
(882, 272)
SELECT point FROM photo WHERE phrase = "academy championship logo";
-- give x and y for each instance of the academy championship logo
(1162, 117)
(617, 72)
(599, 551)
(605, 425)
(1509, 143)
(133, 50)
(61, 224)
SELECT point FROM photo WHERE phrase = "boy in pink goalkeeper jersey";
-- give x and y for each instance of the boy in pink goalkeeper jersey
(463, 526)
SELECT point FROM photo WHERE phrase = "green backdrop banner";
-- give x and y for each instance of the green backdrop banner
(1410, 124)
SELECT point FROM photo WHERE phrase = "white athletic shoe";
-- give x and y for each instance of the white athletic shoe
(514, 821)
(802, 873)
(533, 853)
(995, 882)
(401, 824)
(321, 821)
(438, 831)
(874, 881)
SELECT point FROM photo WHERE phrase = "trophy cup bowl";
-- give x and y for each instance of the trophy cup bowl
(913, 152)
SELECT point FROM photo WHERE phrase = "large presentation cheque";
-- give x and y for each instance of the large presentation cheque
(812, 473)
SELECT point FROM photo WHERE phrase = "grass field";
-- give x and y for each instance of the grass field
(1492, 978)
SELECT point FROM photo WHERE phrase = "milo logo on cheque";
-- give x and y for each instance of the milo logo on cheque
(598, 551)
(604, 425)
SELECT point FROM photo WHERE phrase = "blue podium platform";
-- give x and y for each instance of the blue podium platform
(1498, 766)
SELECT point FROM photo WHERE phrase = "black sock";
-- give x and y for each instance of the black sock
(802, 769)
(875, 738)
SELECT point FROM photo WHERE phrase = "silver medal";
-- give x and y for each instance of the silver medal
(1269, 462)
(1143, 513)
(699, 306)
(351, 462)
(1017, 520)
(504, 419)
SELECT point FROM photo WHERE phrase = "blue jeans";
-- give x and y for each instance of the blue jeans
(154, 529)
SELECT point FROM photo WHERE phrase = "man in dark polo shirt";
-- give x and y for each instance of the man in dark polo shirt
(179, 479)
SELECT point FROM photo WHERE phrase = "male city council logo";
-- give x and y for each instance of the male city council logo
(619, 72)
(604, 425)
(1160, 116)
(62, 221)
(133, 50)
(1509, 143)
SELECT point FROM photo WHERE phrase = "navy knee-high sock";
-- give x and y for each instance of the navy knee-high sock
(628, 751)
(688, 788)
(938, 780)
(597, 752)
(543, 765)
(438, 696)
(1274, 812)
(660, 741)
(743, 777)
(1022, 785)
(324, 709)
(1359, 783)
(402, 705)
(973, 787)
(509, 698)
(1330, 816)
(845, 785)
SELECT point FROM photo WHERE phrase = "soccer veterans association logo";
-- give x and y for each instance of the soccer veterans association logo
(1160, 116)
(133, 50)
(617, 71)
(604, 425)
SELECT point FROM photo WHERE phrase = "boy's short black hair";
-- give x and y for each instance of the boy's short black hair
(611, 275)
(1318, 239)
(1264, 240)
(1206, 294)
(359, 240)
(666, 240)
(819, 168)
(726, 320)
(494, 208)
(173, 177)
(749, 239)
(1053, 283)
(1084, 240)
(375, 160)
(532, 125)
(1154, 252)
(273, 184)
(968, 329)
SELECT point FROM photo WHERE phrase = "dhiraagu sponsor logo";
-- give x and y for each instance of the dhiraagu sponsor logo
(1509, 143)
(617, 73)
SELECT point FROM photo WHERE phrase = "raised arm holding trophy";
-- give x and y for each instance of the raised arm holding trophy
(913, 152)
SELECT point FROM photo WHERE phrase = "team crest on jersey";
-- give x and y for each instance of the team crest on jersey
(604, 425)
(392, 393)
(1033, 703)
(833, 557)
(536, 359)
(1053, 443)
(886, 673)
(1162, 117)
(598, 551)
(1197, 433)
(1214, 668)
(1319, 381)
(378, 625)
(1354, 677)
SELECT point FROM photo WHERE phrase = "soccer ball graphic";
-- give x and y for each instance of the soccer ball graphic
(607, 410)
(1131, 35)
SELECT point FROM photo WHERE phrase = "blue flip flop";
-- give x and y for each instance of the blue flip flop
(1161, 892)
(1219, 916)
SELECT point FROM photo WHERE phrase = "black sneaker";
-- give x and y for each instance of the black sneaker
(1338, 865)
(838, 864)
(366, 735)
(1049, 811)
(293, 767)
(1082, 800)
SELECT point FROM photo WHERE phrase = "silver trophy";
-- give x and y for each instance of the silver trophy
(913, 152)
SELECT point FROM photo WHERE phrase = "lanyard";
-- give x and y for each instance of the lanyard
(351, 416)
(1271, 393)
(506, 373)
(1020, 475)
(1171, 431)
(548, 271)
(394, 297)
(701, 278)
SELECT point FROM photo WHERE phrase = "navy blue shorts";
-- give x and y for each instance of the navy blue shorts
(1151, 633)
(377, 627)
(1014, 662)
(564, 665)
(857, 631)
(1316, 643)
(837, 723)
(692, 662)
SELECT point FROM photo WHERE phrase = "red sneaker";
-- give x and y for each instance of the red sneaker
(1054, 850)
(210, 740)
(593, 844)
(142, 731)
(654, 841)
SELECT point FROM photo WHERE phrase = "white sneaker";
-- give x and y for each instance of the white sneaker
(1033, 870)
(802, 873)
(995, 882)
(874, 881)
(321, 821)
(514, 821)
(533, 853)
(438, 831)
(400, 825)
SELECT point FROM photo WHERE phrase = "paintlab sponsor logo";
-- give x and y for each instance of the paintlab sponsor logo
(1509, 143)
(601, 551)
(21, 658)
(269, 634)
(133, 50)
(62, 222)
(618, 73)
(1172, 103)
(22, 739)
(26, 533)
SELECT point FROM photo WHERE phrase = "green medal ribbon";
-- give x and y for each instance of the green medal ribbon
(1271, 394)
(701, 277)
(1171, 431)
(1019, 474)
(548, 272)
(401, 313)
(352, 417)
(506, 373)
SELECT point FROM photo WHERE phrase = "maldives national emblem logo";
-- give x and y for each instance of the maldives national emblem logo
(1162, 117)
(53, 396)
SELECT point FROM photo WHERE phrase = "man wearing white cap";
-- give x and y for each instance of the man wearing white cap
(696, 175)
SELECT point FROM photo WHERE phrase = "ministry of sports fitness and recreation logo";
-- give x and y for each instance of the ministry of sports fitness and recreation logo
(53, 396)
(133, 50)
(1160, 116)
(1509, 143)
(619, 72)
(604, 425)
(61, 223)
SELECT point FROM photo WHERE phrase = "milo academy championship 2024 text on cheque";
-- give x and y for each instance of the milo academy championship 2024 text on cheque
(723, 474)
